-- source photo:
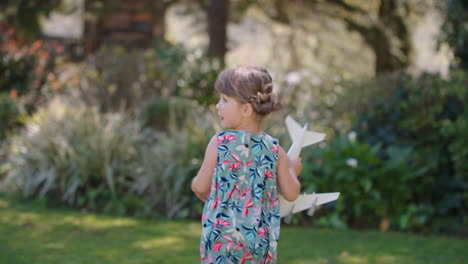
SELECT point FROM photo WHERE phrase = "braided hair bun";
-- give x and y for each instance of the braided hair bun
(251, 85)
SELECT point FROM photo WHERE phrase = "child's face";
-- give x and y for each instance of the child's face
(229, 111)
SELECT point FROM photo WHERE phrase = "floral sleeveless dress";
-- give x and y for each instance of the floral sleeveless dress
(241, 218)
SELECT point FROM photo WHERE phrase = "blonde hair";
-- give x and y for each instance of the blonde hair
(250, 85)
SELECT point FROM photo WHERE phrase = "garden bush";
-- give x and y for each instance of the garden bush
(117, 79)
(9, 115)
(375, 192)
(423, 119)
(25, 68)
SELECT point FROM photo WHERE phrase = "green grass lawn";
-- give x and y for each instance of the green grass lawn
(30, 234)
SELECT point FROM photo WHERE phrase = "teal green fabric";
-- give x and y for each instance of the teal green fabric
(241, 217)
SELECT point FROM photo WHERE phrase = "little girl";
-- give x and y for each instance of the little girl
(243, 171)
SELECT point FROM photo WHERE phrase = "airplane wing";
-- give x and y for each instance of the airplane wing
(304, 202)
(294, 129)
(312, 138)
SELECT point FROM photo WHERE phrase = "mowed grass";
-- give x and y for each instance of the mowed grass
(30, 234)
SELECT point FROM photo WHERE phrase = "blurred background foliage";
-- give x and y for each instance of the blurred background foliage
(116, 120)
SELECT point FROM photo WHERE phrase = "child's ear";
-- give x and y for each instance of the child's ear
(247, 110)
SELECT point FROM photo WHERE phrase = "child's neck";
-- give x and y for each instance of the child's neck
(250, 126)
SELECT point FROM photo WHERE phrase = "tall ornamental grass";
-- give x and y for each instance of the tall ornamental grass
(77, 156)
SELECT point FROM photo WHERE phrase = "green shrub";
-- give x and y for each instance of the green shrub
(26, 67)
(9, 115)
(373, 190)
(427, 114)
(116, 79)
(15, 72)
(162, 113)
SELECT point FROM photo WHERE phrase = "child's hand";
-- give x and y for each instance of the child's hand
(296, 165)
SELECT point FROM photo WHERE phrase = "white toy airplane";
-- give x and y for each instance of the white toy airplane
(301, 138)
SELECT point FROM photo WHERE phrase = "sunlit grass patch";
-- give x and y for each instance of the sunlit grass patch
(32, 234)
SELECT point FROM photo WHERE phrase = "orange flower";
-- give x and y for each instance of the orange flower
(13, 94)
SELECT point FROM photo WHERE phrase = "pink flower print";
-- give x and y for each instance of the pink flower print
(220, 223)
(243, 193)
(235, 157)
(215, 203)
(248, 204)
(203, 217)
(263, 232)
(217, 246)
(248, 163)
(225, 139)
(231, 193)
(239, 246)
(269, 257)
(230, 242)
(268, 174)
(275, 149)
(214, 186)
(271, 201)
(234, 167)
(246, 256)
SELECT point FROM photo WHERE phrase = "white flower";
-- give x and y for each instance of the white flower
(352, 136)
(32, 129)
(293, 78)
(352, 162)
(244, 151)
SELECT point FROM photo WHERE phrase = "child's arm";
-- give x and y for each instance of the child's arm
(202, 182)
(287, 172)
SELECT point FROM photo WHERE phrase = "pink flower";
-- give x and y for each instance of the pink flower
(225, 139)
(214, 186)
(268, 174)
(246, 256)
(234, 167)
(248, 204)
(220, 223)
(231, 193)
(244, 193)
(272, 201)
(275, 149)
(263, 231)
(215, 203)
(230, 242)
(217, 246)
(269, 257)
(239, 246)
(235, 157)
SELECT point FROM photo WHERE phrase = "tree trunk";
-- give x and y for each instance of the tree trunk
(217, 14)
(129, 23)
(91, 27)
(387, 35)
